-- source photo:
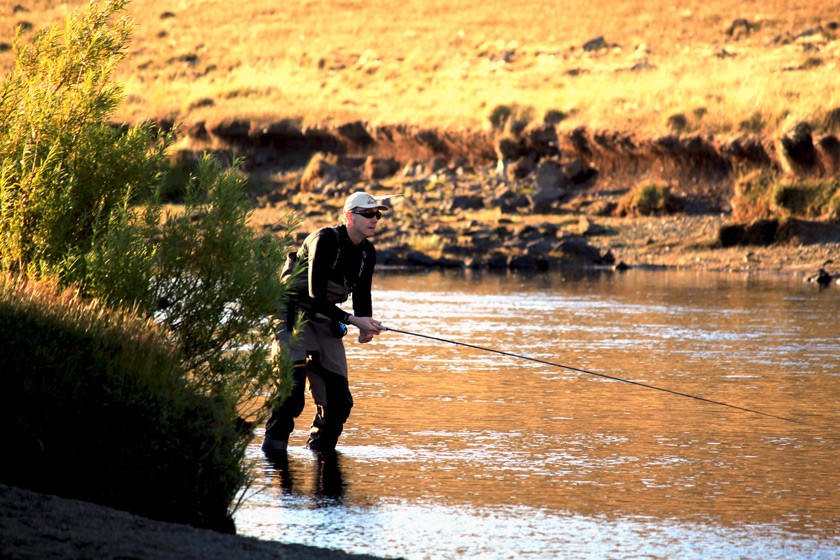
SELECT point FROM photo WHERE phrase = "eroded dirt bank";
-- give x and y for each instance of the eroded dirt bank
(535, 196)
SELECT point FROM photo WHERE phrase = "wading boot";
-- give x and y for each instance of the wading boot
(271, 445)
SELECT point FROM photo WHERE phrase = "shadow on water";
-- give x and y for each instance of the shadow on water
(455, 452)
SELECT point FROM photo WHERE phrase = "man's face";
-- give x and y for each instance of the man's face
(363, 221)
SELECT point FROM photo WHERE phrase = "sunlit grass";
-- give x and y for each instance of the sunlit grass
(441, 64)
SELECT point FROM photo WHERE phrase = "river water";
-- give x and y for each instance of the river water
(453, 452)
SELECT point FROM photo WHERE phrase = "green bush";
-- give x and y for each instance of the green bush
(647, 199)
(81, 200)
(94, 405)
(807, 199)
(751, 200)
(63, 166)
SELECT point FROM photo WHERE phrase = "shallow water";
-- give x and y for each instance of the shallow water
(456, 452)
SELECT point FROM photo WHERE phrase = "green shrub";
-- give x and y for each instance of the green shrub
(751, 200)
(764, 195)
(81, 199)
(647, 199)
(63, 166)
(94, 405)
(807, 199)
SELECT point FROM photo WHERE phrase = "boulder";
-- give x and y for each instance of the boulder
(464, 202)
(550, 176)
(497, 261)
(544, 200)
(380, 168)
(575, 249)
(588, 227)
(760, 232)
(527, 262)
(539, 247)
(595, 44)
(418, 258)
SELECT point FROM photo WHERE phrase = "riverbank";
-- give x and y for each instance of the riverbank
(37, 526)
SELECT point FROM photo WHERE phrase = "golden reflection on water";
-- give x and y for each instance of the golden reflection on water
(441, 424)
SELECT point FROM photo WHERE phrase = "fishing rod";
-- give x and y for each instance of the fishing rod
(595, 373)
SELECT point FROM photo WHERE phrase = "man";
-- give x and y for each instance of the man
(334, 262)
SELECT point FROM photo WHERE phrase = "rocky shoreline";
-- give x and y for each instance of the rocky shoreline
(449, 214)
(531, 197)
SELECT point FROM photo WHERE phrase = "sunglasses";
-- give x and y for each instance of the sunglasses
(369, 214)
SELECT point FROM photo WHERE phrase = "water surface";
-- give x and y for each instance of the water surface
(455, 452)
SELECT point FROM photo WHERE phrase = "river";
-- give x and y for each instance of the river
(455, 452)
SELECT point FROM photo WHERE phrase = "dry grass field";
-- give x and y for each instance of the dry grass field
(700, 66)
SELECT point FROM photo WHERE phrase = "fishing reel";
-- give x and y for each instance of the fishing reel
(338, 329)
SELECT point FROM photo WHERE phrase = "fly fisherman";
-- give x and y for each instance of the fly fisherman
(334, 262)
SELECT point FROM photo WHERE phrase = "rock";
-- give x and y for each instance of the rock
(386, 257)
(380, 168)
(595, 44)
(575, 249)
(482, 243)
(464, 202)
(588, 227)
(322, 171)
(544, 200)
(540, 247)
(730, 235)
(527, 262)
(550, 176)
(806, 232)
(497, 261)
(444, 262)
(419, 259)
(759, 232)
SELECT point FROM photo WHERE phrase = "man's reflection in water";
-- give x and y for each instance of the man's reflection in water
(326, 484)
(280, 462)
(329, 483)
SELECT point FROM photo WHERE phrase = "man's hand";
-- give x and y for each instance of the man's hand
(368, 327)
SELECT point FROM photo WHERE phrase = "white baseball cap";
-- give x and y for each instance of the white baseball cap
(362, 200)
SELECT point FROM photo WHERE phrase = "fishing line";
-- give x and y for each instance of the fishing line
(603, 375)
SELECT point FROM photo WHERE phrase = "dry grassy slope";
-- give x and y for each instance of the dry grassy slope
(448, 64)
(444, 65)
